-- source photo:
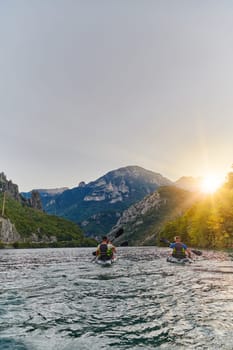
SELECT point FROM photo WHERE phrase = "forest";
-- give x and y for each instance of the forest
(209, 222)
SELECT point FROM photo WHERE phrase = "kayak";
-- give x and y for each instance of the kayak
(108, 262)
(181, 261)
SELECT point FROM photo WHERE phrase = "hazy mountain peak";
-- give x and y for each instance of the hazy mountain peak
(137, 172)
(189, 183)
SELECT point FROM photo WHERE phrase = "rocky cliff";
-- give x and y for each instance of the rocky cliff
(11, 189)
(8, 232)
(134, 214)
(143, 220)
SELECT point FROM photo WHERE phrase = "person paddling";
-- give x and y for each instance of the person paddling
(180, 250)
(105, 249)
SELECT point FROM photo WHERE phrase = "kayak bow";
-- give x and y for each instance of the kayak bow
(182, 261)
(107, 262)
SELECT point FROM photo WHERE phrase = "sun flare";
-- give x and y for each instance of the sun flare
(211, 183)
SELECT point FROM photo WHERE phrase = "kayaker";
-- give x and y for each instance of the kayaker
(105, 249)
(180, 250)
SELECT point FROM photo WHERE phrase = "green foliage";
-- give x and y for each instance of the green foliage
(28, 221)
(209, 222)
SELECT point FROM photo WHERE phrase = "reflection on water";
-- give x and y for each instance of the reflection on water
(57, 299)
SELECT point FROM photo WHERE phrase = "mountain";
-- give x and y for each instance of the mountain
(189, 183)
(24, 224)
(11, 188)
(45, 192)
(143, 221)
(202, 220)
(97, 206)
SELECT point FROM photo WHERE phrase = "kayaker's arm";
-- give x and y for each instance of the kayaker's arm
(188, 251)
(97, 252)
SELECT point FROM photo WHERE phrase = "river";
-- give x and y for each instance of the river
(58, 299)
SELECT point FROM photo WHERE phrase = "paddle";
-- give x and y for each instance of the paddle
(124, 244)
(116, 235)
(197, 252)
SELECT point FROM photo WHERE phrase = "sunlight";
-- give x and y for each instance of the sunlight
(211, 183)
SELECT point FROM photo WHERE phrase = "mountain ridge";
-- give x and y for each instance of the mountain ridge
(96, 206)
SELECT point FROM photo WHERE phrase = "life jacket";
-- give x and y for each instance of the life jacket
(179, 251)
(105, 252)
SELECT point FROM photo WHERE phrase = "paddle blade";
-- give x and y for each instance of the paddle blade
(93, 253)
(197, 252)
(164, 240)
(124, 244)
(119, 233)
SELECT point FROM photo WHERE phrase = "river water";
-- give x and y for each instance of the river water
(58, 299)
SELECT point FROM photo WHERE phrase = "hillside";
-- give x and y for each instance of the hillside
(143, 221)
(23, 226)
(189, 183)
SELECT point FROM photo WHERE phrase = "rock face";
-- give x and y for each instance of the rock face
(8, 233)
(13, 191)
(118, 185)
(35, 200)
(9, 187)
(134, 217)
(143, 220)
(135, 213)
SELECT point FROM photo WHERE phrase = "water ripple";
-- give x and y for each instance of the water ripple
(57, 299)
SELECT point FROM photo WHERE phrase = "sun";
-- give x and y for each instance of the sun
(211, 183)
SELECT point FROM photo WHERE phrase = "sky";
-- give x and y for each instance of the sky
(89, 86)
